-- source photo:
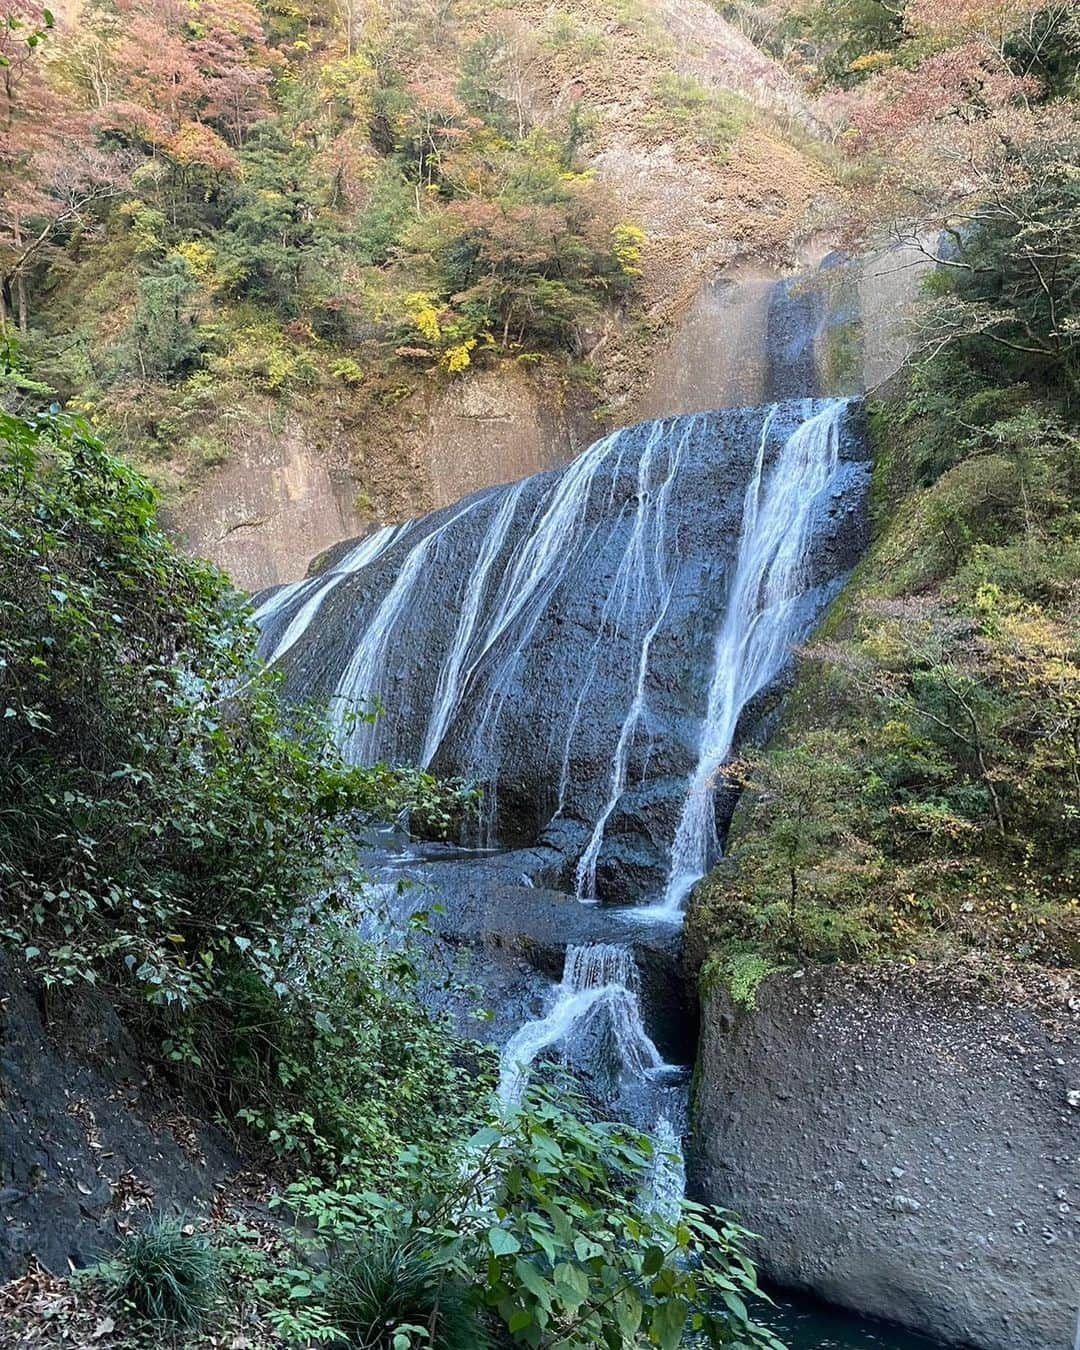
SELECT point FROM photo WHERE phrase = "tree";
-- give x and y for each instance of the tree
(46, 180)
(805, 797)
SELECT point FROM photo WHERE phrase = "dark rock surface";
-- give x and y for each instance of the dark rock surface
(508, 934)
(544, 694)
(88, 1145)
(906, 1141)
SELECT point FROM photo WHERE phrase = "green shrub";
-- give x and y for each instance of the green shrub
(542, 1221)
(171, 835)
(712, 119)
(167, 1275)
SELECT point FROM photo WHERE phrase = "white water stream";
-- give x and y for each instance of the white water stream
(762, 623)
(513, 578)
(599, 985)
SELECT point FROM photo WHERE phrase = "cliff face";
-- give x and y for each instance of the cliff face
(906, 1142)
(90, 1143)
(310, 472)
(293, 486)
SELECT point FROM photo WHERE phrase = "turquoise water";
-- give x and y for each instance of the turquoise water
(809, 1326)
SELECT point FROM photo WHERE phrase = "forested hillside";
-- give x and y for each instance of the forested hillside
(220, 220)
(246, 1088)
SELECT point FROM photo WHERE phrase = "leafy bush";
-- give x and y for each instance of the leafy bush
(713, 120)
(171, 835)
(166, 1275)
(544, 1221)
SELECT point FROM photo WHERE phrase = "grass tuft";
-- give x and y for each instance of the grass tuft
(388, 1284)
(168, 1276)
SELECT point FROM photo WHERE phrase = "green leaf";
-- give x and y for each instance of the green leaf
(540, 1288)
(519, 1321)
(654, 1260)
(668, 1323)
(502, 1242)
(628, 1312)
(571, 1285)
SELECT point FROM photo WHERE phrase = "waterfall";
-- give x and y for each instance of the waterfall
(644, 567)
(761, 623)
(362, 680)
(591, 634)
(453, 676)
(557, 533)
(599, 981)
(596, 1020)
(548, 639)
(315, 591)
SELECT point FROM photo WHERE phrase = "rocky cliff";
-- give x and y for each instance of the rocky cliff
(91, 1142)
(554, 640)
(906, 1141)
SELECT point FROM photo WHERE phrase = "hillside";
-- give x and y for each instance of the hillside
(287, 251)
(595, 872)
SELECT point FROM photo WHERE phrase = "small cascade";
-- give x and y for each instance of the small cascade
(595, 1023)
(762, 622)
(596, 1000)
(666, 1186)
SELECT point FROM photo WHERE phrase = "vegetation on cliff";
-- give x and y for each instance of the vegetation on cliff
(923, 796)
(207, 207)
(169, 835)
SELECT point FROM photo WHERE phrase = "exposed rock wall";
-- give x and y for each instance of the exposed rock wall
(88, 1143)
(838, 326)
(545, 671)
(497, 426)
(278, 501)
(292, 488)
(906, 1141)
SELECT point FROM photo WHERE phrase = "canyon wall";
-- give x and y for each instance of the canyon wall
(906, 1141)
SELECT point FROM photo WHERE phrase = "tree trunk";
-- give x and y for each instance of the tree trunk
(20, 285)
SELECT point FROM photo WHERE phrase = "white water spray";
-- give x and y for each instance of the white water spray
(362, 678)
(645, 566)
(762, 622)
(453, 676)
(317, 589)
(601, 979)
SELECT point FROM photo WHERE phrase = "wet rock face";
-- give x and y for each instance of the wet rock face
(567, 575)
(903, 1142)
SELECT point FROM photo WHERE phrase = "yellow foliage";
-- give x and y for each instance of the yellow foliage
(456, 359)
(870, 61)
(423, 310)
(261, 353)
(351, 78)
(347, 371)
(629, 241)
(199, 258)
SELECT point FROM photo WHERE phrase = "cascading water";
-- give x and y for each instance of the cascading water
(761, 624)
(644, 571)
(363, 681)
(314, 591)
(583, 643)
(599, 984)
